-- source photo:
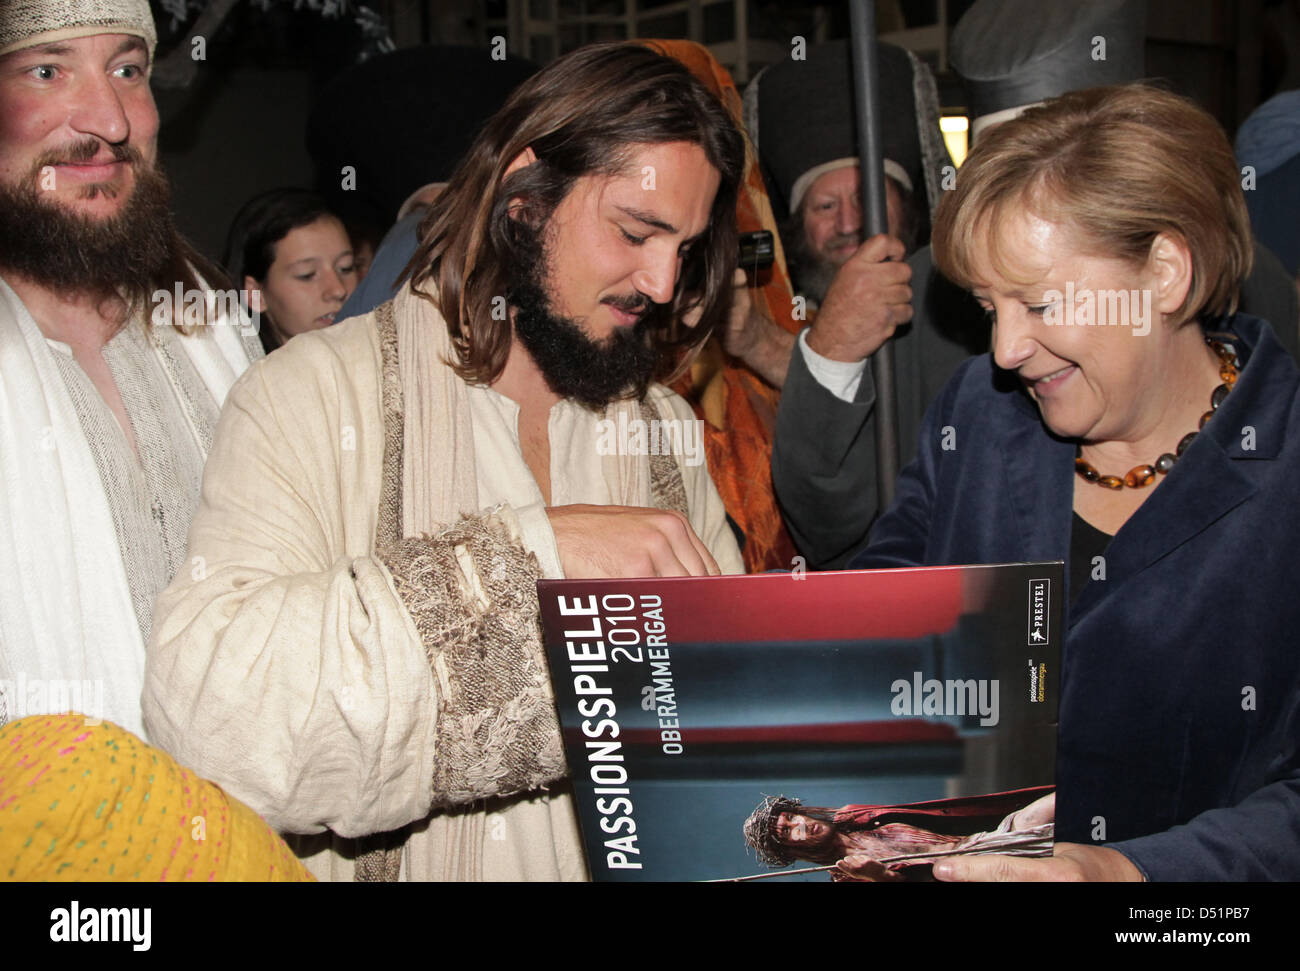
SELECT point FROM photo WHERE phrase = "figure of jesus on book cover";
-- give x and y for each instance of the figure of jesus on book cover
(882, 844)
(844, 726)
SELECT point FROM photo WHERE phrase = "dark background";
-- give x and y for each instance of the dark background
(238, 126)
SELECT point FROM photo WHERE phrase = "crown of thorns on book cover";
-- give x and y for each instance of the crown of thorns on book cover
(850, 726)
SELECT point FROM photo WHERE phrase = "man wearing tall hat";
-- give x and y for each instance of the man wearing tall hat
(857, 293)
(109, 393)
(1014, 54)
(1011, 54)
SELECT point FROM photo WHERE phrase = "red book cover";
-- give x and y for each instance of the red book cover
(726, 727)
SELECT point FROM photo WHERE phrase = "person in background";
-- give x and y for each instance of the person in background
(800, 113)
(293, 259)
(1269, 142)
(393, 254)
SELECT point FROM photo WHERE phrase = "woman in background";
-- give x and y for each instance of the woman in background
(294, 259)
(1130, 424)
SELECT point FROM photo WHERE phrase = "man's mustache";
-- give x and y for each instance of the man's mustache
(845, 239)
(629, 305)
(86, 151)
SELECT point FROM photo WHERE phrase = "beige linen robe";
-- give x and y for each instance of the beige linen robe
(91, 529)
(285, 666)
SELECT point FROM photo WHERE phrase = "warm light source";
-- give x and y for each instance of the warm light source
(956, 130)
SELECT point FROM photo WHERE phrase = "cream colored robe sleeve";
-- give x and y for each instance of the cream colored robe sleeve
(283, 665)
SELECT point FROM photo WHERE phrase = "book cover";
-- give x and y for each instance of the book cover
(727, 727)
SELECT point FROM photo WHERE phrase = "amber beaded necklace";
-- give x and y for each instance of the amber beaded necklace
(1143, 475)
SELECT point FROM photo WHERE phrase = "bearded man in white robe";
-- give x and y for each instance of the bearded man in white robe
(109, 392)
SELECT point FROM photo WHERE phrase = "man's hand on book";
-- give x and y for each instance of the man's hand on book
(628, 541)
(1069, 863)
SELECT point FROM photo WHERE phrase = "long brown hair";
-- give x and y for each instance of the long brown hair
(579, 115)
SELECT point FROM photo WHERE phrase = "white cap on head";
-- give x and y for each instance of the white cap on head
(26, 23)
(805, 181)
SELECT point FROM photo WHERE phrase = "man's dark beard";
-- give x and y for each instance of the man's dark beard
(63, 250)
(593, 373)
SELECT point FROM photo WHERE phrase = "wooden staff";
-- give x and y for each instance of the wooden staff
(875, 220)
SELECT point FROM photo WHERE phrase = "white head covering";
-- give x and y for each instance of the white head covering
(26, 23)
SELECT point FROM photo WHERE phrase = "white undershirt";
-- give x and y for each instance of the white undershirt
(577, 471)
(840, 378)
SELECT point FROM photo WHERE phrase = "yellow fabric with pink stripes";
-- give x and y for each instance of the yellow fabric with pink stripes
(85, 801)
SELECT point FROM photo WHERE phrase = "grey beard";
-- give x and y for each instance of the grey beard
(811, 274)
(815, 278)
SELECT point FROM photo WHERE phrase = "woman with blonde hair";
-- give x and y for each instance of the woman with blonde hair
(1129, 423)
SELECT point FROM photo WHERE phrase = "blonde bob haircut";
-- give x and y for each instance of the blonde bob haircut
(1118, 166)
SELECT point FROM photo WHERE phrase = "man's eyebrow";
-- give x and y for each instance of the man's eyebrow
(649, 218)
(131, 43)
(59, 49)
(52, 49)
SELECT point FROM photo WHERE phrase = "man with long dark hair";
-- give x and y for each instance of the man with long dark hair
(108, 394)
(361, 659)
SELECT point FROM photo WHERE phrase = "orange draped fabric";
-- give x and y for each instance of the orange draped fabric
(738, 408)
